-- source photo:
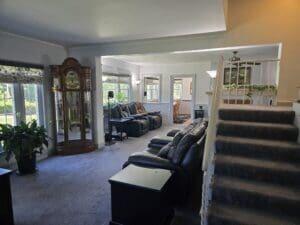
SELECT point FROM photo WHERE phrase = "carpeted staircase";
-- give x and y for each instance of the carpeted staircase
(257, 169)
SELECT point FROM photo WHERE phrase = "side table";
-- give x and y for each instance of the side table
(139, 195)
(121, 123)
(6, 210)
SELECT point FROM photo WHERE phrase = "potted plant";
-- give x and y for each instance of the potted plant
(23, 141)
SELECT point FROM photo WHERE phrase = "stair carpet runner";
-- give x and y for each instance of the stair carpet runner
(257, 169)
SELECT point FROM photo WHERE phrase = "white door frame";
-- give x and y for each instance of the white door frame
(172, 78)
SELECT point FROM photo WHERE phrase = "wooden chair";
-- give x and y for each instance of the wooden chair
(176, 106)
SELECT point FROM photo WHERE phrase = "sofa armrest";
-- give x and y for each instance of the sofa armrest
(127, 117)
(173, 132)
(149, 160)
(161, 140)
(138, 116)
(154, 113)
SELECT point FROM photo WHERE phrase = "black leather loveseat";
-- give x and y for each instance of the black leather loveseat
(155, 118)
(142, 121)
(183, 156)
(139, 124)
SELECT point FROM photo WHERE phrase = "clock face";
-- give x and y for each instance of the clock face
(72, 80)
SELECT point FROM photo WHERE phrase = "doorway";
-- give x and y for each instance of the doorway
(182, 98)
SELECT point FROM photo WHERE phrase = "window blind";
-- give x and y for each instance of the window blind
(20, 73)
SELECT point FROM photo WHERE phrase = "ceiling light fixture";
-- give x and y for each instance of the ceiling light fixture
(232, 48)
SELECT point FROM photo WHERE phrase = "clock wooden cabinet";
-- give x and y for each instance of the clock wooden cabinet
(73, 109)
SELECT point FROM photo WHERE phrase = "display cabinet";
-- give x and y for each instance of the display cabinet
(73, 111)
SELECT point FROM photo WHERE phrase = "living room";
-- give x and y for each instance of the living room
(145, 55)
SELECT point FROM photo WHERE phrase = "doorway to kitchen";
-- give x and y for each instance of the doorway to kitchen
(182, 98)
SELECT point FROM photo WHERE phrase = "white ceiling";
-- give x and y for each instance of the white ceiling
(248, 52)
(77, 22)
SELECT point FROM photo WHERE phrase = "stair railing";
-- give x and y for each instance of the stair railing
(209, 148)
(213, 117)
(251, 82)
(218, 98)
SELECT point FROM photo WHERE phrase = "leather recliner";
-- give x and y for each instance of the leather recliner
(161, 141)
(155, 118)
(183, 156)
(136, 127)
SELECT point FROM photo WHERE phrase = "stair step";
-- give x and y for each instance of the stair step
(226, 215)
(186, 216)
(256, 195)
(284, 132)
(258, 115)
(261, 170)
(257, 148)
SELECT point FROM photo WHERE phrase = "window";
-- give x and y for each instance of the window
(151, 89)
(20, 93)
(177, 91)
(119, 84)
(7, 108)
(231, 76)
(31, 102)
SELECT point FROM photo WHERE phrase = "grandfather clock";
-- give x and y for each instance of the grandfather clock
(73, 111)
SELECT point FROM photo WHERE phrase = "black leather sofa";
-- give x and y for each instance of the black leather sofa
(183, 156)
(139, 124)
(142, 121)
(155, 118)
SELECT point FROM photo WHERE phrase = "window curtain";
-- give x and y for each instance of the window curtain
(20, 74)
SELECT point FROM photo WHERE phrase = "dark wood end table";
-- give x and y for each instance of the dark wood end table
(139, 196)
(6, 210)
(121, 123)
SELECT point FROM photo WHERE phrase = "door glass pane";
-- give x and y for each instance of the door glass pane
(123, 96)
(59, 116)
(177, 91)
(151, 89)
(74, 115)
(88, 115)
(31, 102)
(7, 111)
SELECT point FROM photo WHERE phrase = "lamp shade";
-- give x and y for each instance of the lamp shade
(212, 73)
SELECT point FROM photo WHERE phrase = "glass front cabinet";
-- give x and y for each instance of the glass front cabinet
(73, 109)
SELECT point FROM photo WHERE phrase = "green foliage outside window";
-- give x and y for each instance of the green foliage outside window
(121, 92)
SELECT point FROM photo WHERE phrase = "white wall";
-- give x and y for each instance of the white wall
(17, 48)
(166, 71)
(111, 65)
(249, 23)
(198, 69)
(264, 74)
